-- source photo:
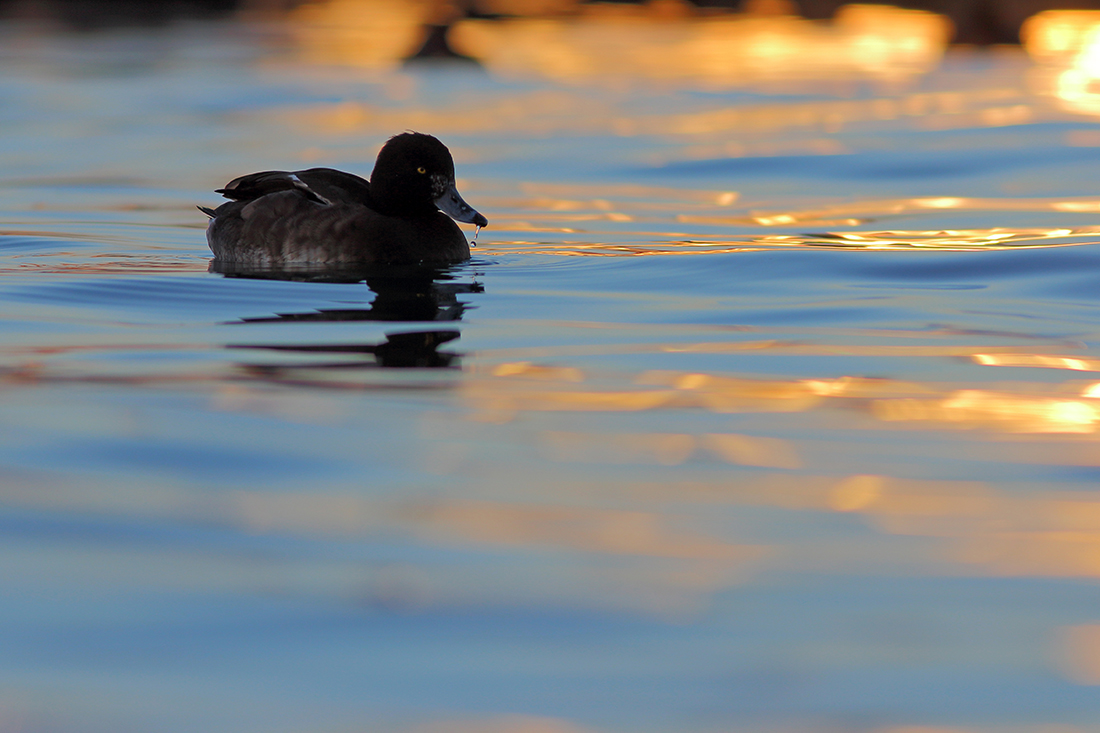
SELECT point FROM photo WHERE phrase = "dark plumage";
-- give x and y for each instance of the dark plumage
(323, 216)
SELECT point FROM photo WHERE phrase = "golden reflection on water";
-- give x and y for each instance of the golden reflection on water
(974, 527)
(989, 531)
(703, 244)
(604, 42)
(1067, 44)
(978, 529)
(1074, 363)
(970, 408)
(890, 402)
(511, 388)
(724, 222)
(711, 51)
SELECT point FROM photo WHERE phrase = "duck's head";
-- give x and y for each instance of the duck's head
(415, 175)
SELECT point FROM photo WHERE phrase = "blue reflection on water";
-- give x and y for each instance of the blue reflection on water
(219, 512)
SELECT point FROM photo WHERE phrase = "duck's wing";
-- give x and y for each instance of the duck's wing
(320, 185)
(256, 185)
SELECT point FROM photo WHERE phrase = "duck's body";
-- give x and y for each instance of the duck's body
(323, 216)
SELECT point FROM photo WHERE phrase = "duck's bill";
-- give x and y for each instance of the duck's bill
(451, 204)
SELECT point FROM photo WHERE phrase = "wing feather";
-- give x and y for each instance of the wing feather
(320, 185)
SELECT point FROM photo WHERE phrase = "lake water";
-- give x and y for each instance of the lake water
(769, 402)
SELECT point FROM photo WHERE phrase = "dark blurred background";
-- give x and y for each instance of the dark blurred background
(976, 22)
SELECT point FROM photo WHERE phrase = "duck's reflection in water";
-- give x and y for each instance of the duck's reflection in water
(400, 349)
(401, 294)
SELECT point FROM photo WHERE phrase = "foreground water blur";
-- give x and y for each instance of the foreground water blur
(770, 400)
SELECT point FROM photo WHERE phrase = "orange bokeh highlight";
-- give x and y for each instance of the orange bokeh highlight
(656, 42)
(713, 50)
(1067, 44)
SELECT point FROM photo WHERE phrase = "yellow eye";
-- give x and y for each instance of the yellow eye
(421, 169)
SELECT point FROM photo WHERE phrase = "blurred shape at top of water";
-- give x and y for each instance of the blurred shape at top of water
(666, 42)
(1059, 35)
(1067, 43)
(711, 51)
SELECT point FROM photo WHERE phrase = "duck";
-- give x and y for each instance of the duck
(404, 215)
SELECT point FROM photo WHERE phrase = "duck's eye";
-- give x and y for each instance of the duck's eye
(421, 169)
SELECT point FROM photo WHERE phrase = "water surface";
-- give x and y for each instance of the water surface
(768, 402)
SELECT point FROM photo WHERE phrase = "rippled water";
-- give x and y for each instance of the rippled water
(761, 407)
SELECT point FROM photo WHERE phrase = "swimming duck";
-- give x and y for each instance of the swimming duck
(323, 216)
